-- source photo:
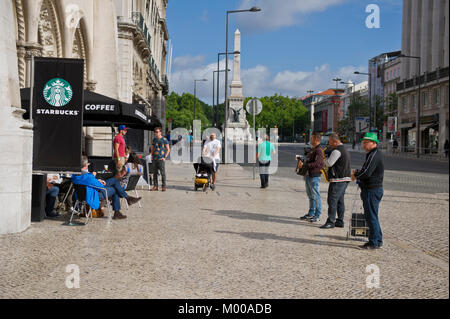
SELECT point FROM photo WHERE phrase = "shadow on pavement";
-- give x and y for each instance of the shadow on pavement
(264, 236)
(238, 214)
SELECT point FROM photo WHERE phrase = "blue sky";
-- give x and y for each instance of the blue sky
(291, 46)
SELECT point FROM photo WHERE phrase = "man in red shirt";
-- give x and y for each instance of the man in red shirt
(119, 147)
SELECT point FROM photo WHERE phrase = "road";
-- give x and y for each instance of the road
(409, 175)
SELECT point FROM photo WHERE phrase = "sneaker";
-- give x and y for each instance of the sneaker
(315, 219)
(119, 215)
(368, 246)
(306, 217)
(155, 188)
(339, 224)
(213, 186)
(327, 225)
(53, 214)
(133, 200)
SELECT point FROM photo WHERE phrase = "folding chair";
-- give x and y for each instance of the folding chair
(131, 186)
(65, 196)
(80, 204)
(149, 164)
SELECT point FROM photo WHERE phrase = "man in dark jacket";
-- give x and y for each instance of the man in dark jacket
(312, 179)
(339, 175)
(370, 179)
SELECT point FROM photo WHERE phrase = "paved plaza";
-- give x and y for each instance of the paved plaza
(237, 242)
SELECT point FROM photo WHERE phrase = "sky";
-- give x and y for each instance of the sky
(288, 48)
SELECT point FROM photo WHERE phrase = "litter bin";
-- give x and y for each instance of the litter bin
(38, 191)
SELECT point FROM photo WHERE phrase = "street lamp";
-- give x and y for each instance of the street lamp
(337, 80)
(252, 9)
(215, 107)
(195, 92)
(418, 105)
(218, 74)
(370, 98)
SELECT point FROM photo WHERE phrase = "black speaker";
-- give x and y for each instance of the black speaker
(38, 191)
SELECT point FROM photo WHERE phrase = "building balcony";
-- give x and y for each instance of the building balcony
(139, 21)
(428, 77)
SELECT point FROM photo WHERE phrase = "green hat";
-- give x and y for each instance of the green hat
(371, 137)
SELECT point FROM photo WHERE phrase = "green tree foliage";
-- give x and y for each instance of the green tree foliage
(359, 106)
(278, 111)
(289, 115)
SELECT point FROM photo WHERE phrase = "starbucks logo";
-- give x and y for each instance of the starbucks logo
(58, 92)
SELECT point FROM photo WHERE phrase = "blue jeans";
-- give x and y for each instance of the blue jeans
(50, 198)
(115, 199)
(114, 183)
(313, 192)
(371, 201)
(336, 192)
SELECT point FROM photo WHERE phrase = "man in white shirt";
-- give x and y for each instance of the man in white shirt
(211, 150)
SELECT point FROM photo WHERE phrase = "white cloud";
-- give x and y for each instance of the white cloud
(187, 61)
(274, 16)
(259, 81)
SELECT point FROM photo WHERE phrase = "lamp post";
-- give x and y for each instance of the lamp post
(252, 9)
(195, 92)
(310, 92)
(370, 98)
(337, 80)
(218, 76)
(418, 105)
(217, 105)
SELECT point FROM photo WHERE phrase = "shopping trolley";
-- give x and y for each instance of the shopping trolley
(358, 226)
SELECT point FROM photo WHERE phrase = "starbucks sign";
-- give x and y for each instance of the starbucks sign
(57, 92)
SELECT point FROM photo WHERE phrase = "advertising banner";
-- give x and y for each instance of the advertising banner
(57, 106)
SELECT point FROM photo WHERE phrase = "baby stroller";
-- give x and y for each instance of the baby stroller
(203, 173)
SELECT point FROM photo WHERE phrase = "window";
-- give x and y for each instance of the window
(436, 96)
(425, 99)
(413, 102)
(404, 104)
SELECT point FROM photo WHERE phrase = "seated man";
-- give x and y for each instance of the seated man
(50, 196)
(93, 196)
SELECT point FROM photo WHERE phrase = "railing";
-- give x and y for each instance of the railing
(425, 78)
(138, 19)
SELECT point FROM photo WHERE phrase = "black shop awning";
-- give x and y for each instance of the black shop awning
(101, 110)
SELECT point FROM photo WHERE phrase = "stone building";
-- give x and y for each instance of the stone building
(123, 44)
(425, 34)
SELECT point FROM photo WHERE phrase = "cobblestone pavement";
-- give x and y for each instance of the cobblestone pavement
(237, 242)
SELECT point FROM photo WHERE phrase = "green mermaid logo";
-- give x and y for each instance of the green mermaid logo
(58, 92)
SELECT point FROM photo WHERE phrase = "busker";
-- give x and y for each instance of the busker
(160, 151)
(264, 156)
(312, 179)
(339, 175)
(370, 179)
(211, 150)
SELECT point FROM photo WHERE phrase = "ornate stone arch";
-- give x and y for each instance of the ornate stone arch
(80, 49)
(49, 31)
(20, 39)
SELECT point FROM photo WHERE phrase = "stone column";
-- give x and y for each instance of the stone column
(446, 35)
(415, 37)
(406, 36)
(436, 45)
(426, 41)
(15, 135)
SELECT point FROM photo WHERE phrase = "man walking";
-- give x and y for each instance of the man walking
(312, 179)
(264, 156)
(211, 150)
(339, 175)
(119, 147)
(370, 178)
(160, 150)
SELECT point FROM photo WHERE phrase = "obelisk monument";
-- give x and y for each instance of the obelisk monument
(236, 122)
